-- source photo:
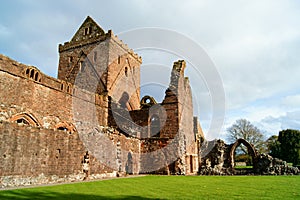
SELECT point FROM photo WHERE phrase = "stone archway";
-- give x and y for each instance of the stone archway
(251, 151)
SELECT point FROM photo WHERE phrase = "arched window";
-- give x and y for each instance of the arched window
(36, 77)
(154, 126)
(147, 101)
(31, 73)
(62, 128)
(22, 121)
(26, 119)
(65, 126)
(124, 100)
(27, 71)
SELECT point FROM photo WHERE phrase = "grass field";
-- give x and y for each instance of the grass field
(169, 187)
(243, 167)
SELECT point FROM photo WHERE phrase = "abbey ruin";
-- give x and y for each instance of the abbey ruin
(50, 127)
(91, 122)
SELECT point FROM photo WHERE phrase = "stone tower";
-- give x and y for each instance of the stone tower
(100, 62)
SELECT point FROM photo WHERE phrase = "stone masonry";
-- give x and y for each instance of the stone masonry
(90, 122)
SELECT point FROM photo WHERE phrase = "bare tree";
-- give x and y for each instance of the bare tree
(242, 128)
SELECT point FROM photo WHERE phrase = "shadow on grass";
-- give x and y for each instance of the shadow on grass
(26, 194)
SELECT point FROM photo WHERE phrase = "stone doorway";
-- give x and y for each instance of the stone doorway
(250, 149)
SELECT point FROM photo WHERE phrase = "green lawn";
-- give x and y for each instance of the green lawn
(243, 167)
(169, 187)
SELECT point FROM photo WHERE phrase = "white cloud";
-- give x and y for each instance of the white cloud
(255, 45)
(291, 102)
(290, 120)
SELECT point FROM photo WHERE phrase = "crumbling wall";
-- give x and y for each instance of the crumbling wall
(267, 165)
(218, 161)
(112, 148)
(176, 146)
(162, 156)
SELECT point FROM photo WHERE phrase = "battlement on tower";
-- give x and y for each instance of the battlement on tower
(124, 46)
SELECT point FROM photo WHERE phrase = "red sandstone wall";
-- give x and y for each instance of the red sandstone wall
(123, 81)
(46, 100)
(187, 119)
(31, 151)
(186, 124)
(90, 60)
(170, 104)
(101, 63)
(177, 145)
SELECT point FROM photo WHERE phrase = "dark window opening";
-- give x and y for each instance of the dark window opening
(22, 121)
(119, 59)
(126, 71)
(68, 89)
(36, 77)
(155, 126)
(62, 128)
(70, 59)
(88, 30)
(62, 86)
(27, 71)
(32, 73)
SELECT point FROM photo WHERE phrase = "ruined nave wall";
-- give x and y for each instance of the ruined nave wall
(50, 101)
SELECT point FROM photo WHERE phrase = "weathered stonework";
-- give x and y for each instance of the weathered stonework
(46, 135)
(220, 161)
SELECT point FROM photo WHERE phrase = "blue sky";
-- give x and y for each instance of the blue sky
(254, 45)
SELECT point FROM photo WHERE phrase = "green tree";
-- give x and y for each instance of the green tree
(273, 147)
(243, 128)
(290, 145)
